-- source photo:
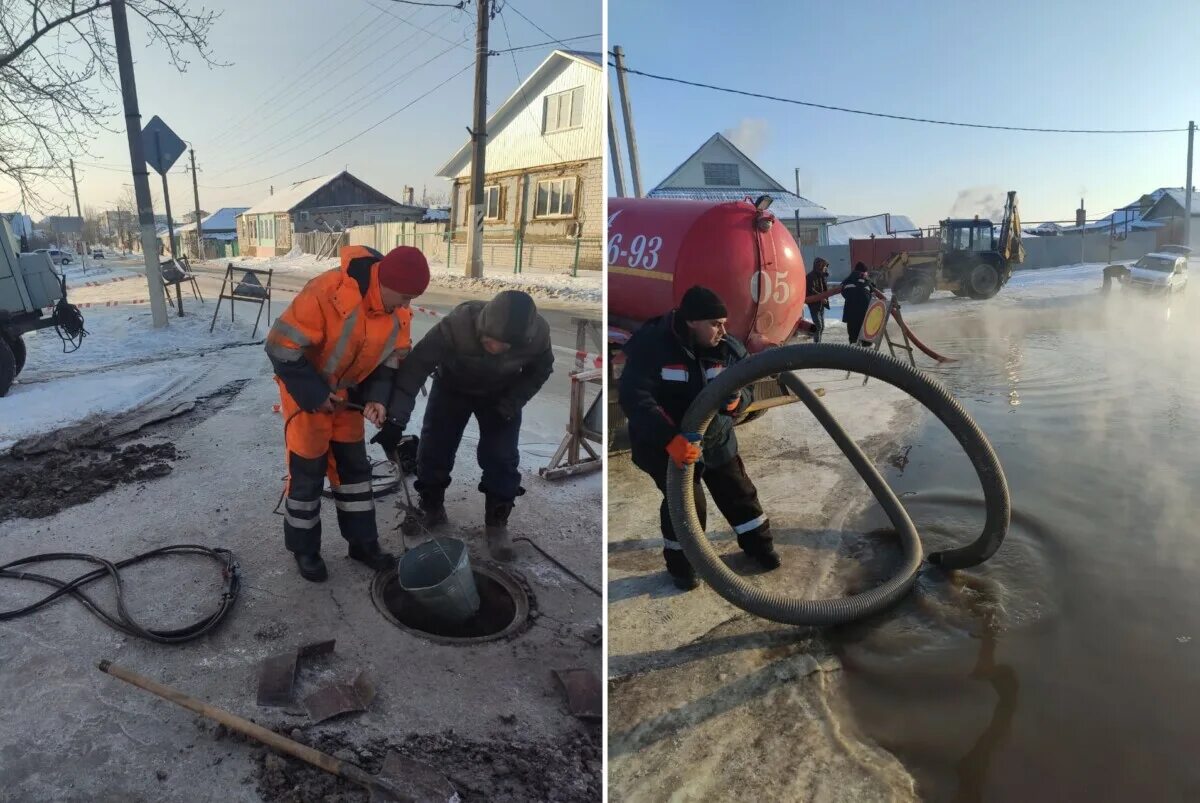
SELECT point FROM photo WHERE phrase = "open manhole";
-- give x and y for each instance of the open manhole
(503, 608)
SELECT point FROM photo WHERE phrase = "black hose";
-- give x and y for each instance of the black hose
(781, 361)
(123, 621)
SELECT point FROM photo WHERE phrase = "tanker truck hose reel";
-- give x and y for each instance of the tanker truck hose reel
(782, 361)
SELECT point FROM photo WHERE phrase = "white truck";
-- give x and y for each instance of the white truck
(33, 295)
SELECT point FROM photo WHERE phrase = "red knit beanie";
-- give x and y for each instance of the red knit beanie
(404, 270)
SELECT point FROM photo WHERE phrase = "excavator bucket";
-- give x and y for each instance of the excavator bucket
(1011, 247)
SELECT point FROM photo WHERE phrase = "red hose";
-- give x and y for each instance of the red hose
(894, 310)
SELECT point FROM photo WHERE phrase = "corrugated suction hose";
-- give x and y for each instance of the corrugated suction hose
(782, 361)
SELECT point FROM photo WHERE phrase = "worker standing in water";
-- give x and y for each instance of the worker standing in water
(817, 283)
(341, 341)
(858, 290)
(669, 360)
(488, 360)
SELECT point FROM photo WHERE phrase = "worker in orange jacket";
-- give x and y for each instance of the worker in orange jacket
(341, 340)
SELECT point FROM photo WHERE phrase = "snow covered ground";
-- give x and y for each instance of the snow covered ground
(588, 287)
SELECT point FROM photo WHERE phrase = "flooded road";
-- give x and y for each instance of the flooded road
(1067, 667)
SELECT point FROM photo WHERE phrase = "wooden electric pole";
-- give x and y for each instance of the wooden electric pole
(635, 170)
(196, 198)
(137, 157)
(75, 187)
(1187, 189)
(477, 203)
(614, 150)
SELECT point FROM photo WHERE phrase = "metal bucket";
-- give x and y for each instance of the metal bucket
(438, 575)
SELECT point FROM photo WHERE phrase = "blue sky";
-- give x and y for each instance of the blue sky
(1061, 64)
(248, 121)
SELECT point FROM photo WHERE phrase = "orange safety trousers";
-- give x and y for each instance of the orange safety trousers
(310, 434)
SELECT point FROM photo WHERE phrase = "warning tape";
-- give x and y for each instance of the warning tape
(122, 303)
(107, 281)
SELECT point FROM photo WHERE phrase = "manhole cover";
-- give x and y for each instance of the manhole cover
(503, 608)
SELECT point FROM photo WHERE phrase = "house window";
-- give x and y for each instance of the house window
(491, 202)
(563, 110)
(304, 216)
(556, 197)
(721, 174)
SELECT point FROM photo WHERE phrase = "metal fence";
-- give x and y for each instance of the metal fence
(503, 249)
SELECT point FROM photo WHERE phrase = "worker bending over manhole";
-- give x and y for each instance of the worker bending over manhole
(488, 359)
(340, 342)
(669, 360)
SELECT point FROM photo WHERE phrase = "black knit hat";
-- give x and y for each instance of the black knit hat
(701, 304)
(510, 317)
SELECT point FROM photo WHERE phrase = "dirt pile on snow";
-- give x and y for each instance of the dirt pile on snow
(41, 486)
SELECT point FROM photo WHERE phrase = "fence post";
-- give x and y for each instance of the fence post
(575, 267)
(516, 252)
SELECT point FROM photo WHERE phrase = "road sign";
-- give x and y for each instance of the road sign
(162, 145)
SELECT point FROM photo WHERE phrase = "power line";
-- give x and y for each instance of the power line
(347, 141)
(308, 101)
(846, 110)
(220, 135)
(459, 6)
(538, 44)
(418, 27)
(517, 11)
(330, 115)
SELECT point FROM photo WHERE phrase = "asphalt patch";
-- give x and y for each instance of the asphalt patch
(567, 771)
(43, 485)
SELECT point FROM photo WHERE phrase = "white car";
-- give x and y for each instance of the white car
(1159, 273)
(56, 257)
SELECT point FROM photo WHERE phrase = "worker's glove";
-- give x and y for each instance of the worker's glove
(389, 437)
(406, 453)
(732, 403)
(508, 408)
(683, 450)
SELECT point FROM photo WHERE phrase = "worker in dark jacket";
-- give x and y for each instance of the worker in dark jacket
(817, 282)
(488, 360)
(669, 360)
(858, 291)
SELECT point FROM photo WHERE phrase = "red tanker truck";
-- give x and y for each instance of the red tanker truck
(658, 248)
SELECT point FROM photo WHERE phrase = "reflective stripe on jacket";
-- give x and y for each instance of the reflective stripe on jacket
(342, 336)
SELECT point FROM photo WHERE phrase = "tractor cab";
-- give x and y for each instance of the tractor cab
(972, 235)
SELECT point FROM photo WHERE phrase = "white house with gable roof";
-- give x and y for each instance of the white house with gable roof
(719, 171)
(544, 178)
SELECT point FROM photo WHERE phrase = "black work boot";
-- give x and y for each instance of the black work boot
(761, 548)
(430, 513)
(680, 569)
(495, 520)
(369, 553)
(312, 568)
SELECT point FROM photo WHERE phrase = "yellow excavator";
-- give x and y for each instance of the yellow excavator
(972, 260)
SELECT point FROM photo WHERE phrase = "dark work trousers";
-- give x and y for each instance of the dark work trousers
(817, 311)
(352, 495)
(731, 489)
(854, 326)
(446, 415)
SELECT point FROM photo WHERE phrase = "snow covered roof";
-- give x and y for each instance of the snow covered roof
(684, 182)
(224, 219)
(517, 100)
(784, 204)
(286, 199)
(436, 214)
(860, 227)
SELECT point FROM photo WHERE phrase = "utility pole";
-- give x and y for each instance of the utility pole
(478, 141)
(75, 187)
(1187, 189)
(635, 170)
(614, 150)
(196, 198)
(141, 179)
